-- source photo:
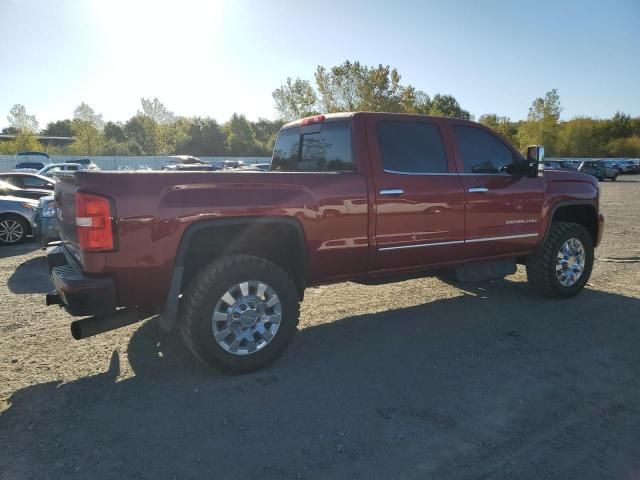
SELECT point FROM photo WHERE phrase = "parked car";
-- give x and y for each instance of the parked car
(16, 219)
(85, 164)
(629, 166)
(191, 167)
(30, 165)
(598, 169)
(614, 164)
(552, 165)
(45, 221)
(367, 197)
(33, 193)
(28, 180)
(265, 167)
(54, 169)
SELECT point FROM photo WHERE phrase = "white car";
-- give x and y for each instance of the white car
(55, 168)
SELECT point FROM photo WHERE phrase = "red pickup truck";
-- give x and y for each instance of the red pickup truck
(365, 197)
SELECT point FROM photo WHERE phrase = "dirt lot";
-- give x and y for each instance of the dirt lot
(418, 379)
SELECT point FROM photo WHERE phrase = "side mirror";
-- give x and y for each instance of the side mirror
(535, 160)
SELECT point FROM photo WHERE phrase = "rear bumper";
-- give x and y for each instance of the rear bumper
(600, 229)
(80, 295)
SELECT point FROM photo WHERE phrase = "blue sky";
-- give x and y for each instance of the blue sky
(214, 57)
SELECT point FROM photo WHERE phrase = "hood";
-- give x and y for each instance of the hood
(568, 176)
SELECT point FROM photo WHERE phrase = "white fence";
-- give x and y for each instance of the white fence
(8, 162)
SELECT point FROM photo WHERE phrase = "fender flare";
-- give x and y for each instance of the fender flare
(169, 315)
(552, 212)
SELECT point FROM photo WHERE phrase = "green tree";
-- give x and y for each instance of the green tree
(20, 120)
(447, 106)
(624, 147)
(295, 99)
(86, 127)
(266, 133)
(241, 139)
(541, 126)
(620, 126)
(156, 111)
(352, 86)
(25, 127)
(114, 132)
(503, 125)
(59, 128)
(142, 130)
(204, 137)
(581, 137)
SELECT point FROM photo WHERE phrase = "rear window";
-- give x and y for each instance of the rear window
(327, 149)
(411, 147)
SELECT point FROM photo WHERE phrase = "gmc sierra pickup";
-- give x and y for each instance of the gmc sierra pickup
(366, 197)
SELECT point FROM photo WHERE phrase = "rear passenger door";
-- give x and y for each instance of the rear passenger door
(503, 206)
(419, 199)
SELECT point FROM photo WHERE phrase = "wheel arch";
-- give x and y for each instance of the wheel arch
(278, 239)
(584, 213)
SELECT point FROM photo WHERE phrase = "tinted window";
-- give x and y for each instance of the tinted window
(326, 150)
(33, 182)
(286, 150)
(482, 152)
(411, 147)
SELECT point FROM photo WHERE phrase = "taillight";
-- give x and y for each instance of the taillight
(94, 222)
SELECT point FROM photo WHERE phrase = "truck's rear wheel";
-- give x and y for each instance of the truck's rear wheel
(562, 267)
(240, 314)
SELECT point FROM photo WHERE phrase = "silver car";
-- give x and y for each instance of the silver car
(17, 216)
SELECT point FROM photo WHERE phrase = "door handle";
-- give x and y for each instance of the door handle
(391, 191)
(478, 190)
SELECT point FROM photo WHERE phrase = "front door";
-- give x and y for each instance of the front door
(419, 200)
(503, 207)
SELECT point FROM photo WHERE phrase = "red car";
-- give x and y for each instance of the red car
(366, 197)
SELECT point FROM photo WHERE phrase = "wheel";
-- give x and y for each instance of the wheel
(563, 265)
(240, 314)
(13, 229)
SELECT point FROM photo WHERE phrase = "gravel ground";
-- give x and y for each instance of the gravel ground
(418, 379)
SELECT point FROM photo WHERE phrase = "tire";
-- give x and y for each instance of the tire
(541, 268)
(205, 301)
(13, 229)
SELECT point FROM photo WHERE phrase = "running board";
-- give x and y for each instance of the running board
(484, 271)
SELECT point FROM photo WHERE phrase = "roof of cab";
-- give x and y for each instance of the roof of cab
(342, 115)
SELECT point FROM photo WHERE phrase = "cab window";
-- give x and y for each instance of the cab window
(482, 152)
(411, 147)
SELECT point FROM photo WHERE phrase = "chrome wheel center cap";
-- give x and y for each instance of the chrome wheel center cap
(249, 318)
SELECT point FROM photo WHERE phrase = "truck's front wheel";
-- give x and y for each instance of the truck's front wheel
(240, 313)
(562, 267)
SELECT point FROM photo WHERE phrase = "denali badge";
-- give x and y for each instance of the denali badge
(521, 220)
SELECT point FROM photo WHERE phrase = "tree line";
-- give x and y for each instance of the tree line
(153, 130)
(351, 86)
